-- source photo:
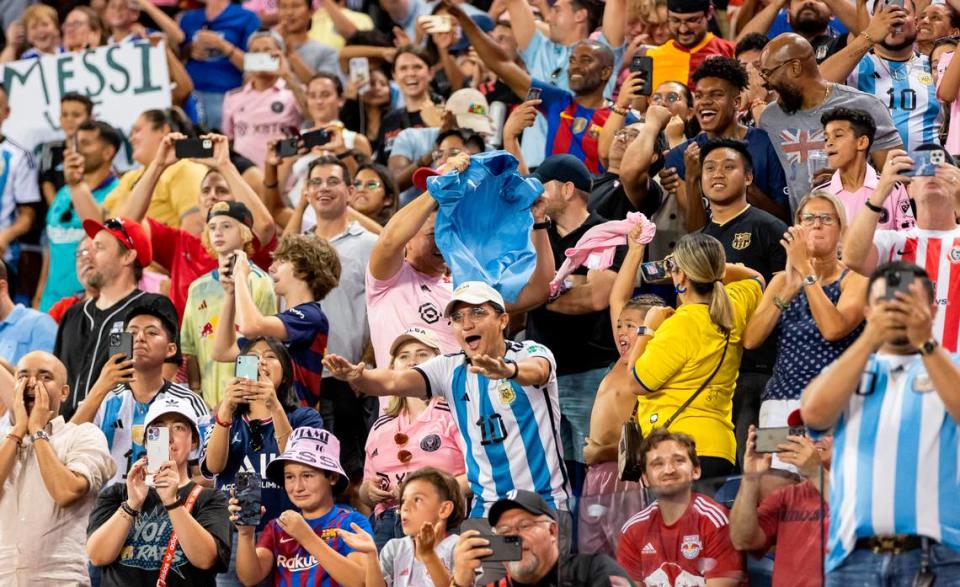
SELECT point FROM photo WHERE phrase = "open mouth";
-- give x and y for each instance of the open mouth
(718, 185)
(623, 344)
(473, 341)
(707, 116)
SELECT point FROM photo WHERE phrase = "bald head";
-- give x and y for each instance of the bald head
(42, 373)
(788, 47)
(36, 362)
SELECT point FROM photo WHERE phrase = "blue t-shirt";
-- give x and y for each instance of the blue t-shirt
(307, 329)
(782, 25)
(242, 457)
(768, 173)
(64, 233)
(216, 73)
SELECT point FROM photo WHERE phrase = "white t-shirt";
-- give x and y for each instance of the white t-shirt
(401, 568)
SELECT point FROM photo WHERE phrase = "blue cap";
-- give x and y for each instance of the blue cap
(564, 168)
(484, 22)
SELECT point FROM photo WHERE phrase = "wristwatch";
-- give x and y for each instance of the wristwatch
(40, 435)
(645, 331)
(928, 347)
(809, 280)
(545, 225)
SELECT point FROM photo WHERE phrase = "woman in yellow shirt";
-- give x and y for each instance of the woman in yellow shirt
(682, 350)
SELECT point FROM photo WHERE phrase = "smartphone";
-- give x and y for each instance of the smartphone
(925, 162)
(654, 271)
(316, 138)
(73, 143)
(288, 147)
(158, 450)
(248, 367)
(193, 148)
(768, 439)
(533, 94)
(898, 281)
(360, 73)
(121, 342)
(257, 62)
(247, 492)
(436, 23)
(231, 261)
(643, 64)
(505, 548)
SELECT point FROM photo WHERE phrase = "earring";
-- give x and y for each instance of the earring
(679, 290)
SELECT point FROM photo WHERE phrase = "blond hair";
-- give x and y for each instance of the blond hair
(838, 206)
(702, 260)
(245, 233)
(37, 12)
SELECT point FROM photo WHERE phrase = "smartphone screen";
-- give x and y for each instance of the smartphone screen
(534, 94)
(653, 271)
(360, 73)
(247, 492)
(158, 450)
(248, 367)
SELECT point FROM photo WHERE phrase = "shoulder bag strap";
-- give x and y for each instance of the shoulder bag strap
(167, 560)
(703, 386)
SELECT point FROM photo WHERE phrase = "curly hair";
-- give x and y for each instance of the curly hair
(314, 260)
(724, 68)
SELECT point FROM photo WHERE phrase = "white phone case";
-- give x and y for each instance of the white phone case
(158, 450)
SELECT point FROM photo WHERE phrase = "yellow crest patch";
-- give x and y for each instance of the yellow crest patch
(741, 240)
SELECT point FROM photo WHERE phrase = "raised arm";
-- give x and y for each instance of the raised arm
(783, 287)
(949, 85)
(380, 382)
(492, 55)
(745, 531)
(841, 64)
(614, 19)
(537, 290)
(635, 167)
(761, 21)
(136, 205)
(522, 22)
(626, 280)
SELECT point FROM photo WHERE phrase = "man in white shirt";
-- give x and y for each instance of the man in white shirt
(50, 474)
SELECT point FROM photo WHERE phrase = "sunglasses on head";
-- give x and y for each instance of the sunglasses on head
(115, 224)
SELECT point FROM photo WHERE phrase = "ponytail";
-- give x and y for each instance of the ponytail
(721, 310)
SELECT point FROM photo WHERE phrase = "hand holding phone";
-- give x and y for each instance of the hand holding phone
(121, 342)
(534, 94)
(260, 62)
(644, 66)
(248, 493)
(248, 367)
(193, 148)
(768, 439)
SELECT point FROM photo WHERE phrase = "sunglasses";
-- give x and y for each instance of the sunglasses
(403, 455)
(115, 224)
(256, 436)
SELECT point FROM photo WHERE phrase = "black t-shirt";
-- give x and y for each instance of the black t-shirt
(827, 45)
(578, 570)
(50, 167)
(609, 199)
(142, 552)
(579, 343)
(391, 125)
(83, 341)
(753, 238)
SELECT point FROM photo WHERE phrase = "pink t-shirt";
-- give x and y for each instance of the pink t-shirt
(953, 131)
(253, 118)
(432, 440)
(896, 215)
(261, 6)
(407, 299)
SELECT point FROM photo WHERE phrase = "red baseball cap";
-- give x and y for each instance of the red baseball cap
(421, 175)
(129, 233)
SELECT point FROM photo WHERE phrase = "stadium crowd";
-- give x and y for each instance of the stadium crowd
(480, 292)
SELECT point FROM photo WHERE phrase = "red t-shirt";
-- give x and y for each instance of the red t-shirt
(790, 518)
(183, 255)
(694, 548)
(57, 310)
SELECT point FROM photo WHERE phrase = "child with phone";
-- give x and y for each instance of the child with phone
(228, 229)
(133, 522)
(253, 424)
(303, 548)
(431, 507)
(272, 97)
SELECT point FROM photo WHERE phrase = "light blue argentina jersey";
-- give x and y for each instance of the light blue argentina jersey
(907, 88)
(510, 433)
(894, 460)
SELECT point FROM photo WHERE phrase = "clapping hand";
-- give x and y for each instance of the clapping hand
(359, 540)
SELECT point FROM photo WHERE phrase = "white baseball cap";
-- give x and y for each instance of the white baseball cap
(474, 293)
(421, 335)
(471, 110)
(171, 404)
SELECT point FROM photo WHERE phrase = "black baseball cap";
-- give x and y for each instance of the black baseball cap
(162, 309)
(520, 499)
(564, 168)
(236, 210)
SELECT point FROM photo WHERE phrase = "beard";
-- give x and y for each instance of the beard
(96, 280)
(807, 26)
(789, 99)
(523, 569)
(587, 83)
(906, 42)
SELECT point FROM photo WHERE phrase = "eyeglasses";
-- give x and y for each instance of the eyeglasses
(115, 224)
(476, 313)
(256, 436)
(766, 73)
(82, 253)
(401, 440)
(626, 134)
(506, 530)
(809, 219)
(316, 183)
(372, 184)
(669, 98)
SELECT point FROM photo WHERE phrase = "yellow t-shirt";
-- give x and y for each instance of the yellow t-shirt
(323, 31)
(682, 354)
(176, 194)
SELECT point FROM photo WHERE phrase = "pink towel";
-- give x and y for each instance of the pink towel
(597, 246)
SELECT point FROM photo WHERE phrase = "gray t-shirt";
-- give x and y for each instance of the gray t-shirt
(345, 305)
(798, 138)
(319, 56)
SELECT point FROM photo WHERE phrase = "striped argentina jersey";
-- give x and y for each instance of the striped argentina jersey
(510, 433)
(895, 460)
(908, 89)
(938, 252)
(121, 419)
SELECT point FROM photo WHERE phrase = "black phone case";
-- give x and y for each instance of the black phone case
(121, 342)
(248, 494)
(191, 148)
(505, 548)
